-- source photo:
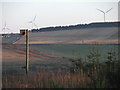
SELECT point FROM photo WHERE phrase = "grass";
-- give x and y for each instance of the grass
(45, 80)
(89, 73)
(74, 51)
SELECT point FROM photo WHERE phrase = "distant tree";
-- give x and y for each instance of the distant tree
(78, 26)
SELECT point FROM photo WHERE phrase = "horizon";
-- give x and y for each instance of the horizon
(52, 14)
(61, 26)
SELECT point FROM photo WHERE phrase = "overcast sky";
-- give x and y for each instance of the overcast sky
(54, 12)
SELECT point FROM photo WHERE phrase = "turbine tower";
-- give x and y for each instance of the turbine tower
(5, 28)
(104, 12)
(33, 22)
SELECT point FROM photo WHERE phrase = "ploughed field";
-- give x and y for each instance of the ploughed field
(69, 58)
(108, 35)
(54, 50)
(50, 57)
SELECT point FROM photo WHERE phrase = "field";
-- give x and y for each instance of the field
(55, 61)
(74, 51)
(81, 36)
(48, 54)
(86, 58)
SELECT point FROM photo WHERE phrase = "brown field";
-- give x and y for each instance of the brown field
(53, 71)
(82, 75)
(83, 36)
(10, 52)
(13, 60)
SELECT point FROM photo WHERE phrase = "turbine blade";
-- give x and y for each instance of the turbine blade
(32, 25)
(109, 10)
(30, 22)
(35, 25)
(34, 18)
(3, 29)
(7, 28)
(5, 23)
(100, 10)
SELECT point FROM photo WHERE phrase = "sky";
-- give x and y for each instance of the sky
(17, 13)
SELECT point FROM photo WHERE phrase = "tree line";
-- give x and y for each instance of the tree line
(78, 26)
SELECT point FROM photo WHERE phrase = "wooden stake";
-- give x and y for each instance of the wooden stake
(27, 51)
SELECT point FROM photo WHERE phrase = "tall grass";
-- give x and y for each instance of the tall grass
(102, 74)
(45, 80)
(89, 73)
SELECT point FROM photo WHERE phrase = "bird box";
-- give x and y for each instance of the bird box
(24, 32)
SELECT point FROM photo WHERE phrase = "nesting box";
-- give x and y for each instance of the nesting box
(23, 32)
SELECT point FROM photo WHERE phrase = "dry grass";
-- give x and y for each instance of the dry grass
(92, 74)
(46, 80)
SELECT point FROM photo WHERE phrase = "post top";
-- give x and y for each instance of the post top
(23, 31)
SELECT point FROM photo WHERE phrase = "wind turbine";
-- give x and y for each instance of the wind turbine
(5, 28)
(33, 22)
(104, 12)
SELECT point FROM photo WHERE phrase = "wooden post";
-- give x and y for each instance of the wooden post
(25, 33)
(27, 50)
